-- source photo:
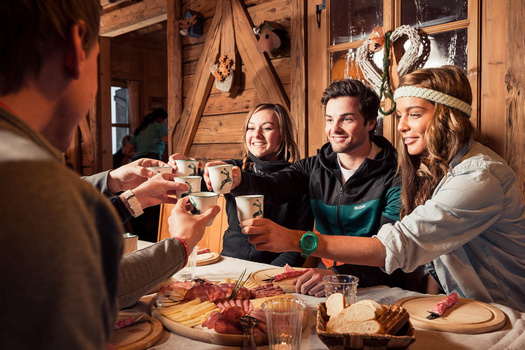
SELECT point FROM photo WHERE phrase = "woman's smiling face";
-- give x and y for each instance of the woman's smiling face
(263, 136)
(414, 114)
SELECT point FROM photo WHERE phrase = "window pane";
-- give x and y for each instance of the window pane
(344, 65)
(117, 136)
(354, 20)
(119, 110)
(448, 48)
(425, 13)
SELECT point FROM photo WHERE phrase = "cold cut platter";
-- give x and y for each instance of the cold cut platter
(210, 311)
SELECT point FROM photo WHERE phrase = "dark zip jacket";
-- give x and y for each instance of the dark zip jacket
(294, 214)
(369, 199)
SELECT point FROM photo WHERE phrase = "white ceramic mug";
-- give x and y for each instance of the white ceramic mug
(187, 167)
(202, 201)
(221, 178)
(193, 181)
(250, 206)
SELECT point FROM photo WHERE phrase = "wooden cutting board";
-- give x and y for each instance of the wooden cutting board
(207, 258)
(466, 317)
(138, 336)
(287, 284)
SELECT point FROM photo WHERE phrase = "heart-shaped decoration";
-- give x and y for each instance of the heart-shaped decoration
(414, 58)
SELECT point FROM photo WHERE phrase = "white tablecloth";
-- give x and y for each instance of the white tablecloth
(511, 336)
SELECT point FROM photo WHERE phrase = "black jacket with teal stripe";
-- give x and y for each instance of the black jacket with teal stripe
(370, 198)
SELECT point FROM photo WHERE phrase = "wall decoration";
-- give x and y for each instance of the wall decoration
(191, 24)
(272, 37)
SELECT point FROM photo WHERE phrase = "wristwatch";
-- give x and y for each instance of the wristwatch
(133, 202)
(308, 243)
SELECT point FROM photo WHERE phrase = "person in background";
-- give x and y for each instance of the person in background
(462, 212)
(61, 240)
(269, 146)
(118, 157)
(351, 183)
(148, 141)
(150, 138)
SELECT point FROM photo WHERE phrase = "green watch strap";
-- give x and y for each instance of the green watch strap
(308, 243)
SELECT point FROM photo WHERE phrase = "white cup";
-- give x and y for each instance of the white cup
(187, 167)
(202, 201)
(187, 273)
(130, 242)
(221, 178)
(250, 206)
(193, 181)
(160, 169)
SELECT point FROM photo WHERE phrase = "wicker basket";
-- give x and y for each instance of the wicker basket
(339, 341)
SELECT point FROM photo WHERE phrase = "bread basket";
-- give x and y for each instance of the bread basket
(335, 341)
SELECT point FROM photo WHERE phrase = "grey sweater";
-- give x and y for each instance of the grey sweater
(61, 272)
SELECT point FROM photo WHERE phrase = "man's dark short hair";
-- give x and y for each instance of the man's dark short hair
(368, 99)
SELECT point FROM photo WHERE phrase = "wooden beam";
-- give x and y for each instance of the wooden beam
(175, 79)
(258, 66)
(104, 130)
(298, 106)
(135, 16)
(200, 87)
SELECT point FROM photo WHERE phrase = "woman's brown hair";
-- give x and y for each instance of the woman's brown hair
(288, 149)
(447, 132)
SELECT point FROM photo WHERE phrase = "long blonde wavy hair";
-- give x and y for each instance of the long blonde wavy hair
(447, 132)
(288, 147)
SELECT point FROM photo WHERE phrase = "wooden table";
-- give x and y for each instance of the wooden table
(511, 336)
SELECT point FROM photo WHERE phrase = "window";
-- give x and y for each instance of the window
(120, 121)
(450, 25)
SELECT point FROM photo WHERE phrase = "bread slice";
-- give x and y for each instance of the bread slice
(378, 308)
(363, 327)
(335, 303)
(355, 312)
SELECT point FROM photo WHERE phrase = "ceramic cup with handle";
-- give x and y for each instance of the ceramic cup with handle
(249, 206)
(193, 181)
(187, 167)
(202, 201)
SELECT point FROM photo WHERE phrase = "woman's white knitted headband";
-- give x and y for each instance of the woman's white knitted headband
(434, 96)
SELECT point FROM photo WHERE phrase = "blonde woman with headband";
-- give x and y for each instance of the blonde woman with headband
(462, 212)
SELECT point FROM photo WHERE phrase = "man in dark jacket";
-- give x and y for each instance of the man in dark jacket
(352, 184)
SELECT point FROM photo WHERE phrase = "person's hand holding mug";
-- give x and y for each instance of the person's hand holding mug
(131, 175)
(189, 227)
(236, 175)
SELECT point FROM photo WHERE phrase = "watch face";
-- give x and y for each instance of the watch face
(309, 242)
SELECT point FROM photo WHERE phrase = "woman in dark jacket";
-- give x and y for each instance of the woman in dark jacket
(269, 146)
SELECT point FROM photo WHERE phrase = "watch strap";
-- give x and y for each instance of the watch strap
(133, 202)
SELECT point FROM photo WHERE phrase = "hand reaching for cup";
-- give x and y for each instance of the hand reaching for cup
(189, 227)
(130, 176)
(159, 189)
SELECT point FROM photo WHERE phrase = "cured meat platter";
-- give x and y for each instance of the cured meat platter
(466, 317)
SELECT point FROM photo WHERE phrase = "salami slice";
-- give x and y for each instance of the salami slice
(442, 306)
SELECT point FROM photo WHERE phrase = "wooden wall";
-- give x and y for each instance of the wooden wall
(218, 135)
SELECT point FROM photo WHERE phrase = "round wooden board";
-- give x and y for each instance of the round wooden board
(207, 258)
(287, 284)
(138, 336)
(466, 317)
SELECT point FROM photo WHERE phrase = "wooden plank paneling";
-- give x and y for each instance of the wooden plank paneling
(135, 16)
(224, 128)
(219, 151)
(200, 88)
(493, 66)
(259, 68)
(175, 81)
(515, 104)
(298, 108)
(104, 140)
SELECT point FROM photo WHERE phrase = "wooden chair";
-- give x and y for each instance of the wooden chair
(212, 238)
